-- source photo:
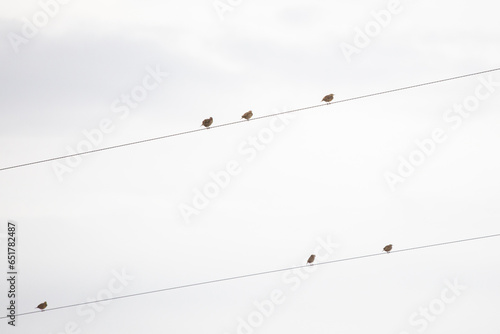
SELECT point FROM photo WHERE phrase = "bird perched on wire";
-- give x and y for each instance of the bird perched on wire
(328, 98)
(311, 259)
(388, 248)
(207, 122)
(247, 115)
(42, 306)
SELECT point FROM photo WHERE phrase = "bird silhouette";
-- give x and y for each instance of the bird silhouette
(207, 122)
(311, 259)
(247, 115)
(327, 98)
(388, 248)
(42, 306)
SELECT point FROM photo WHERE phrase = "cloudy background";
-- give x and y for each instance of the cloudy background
(315, 175)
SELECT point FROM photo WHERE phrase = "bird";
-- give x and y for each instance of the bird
(388, 248)
(311, 259)
(327, 98)
(207, 122)
(42, 306)
(247, 115)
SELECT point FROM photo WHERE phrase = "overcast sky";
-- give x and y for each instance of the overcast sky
(409, 168)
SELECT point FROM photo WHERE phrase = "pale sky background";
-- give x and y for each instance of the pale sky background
(320, 177)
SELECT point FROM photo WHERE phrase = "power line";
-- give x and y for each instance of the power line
(242, 121)
(261, 273)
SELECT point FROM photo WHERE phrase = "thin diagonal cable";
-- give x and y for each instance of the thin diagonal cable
(242, 121)
(261, 273)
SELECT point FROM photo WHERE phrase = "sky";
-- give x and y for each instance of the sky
(409, 168)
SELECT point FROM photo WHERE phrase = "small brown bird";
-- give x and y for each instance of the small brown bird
(207, 122)
(388, 248)
(311, 259)
(328, 98)
(247, 115)
(42, 306)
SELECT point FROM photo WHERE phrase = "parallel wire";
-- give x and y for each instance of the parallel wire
(259, 274)
(242, 121)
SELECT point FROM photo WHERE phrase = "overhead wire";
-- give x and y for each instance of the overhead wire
(242, 121)
(258, 274)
